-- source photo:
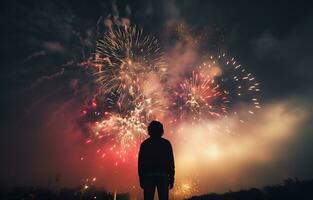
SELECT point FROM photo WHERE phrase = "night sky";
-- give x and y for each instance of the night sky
(44, 82)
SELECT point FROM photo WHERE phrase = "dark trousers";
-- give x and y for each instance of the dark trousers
(160, 183)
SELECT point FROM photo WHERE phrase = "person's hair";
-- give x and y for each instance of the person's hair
(155, 129)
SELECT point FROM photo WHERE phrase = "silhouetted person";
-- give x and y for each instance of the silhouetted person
(156, 163)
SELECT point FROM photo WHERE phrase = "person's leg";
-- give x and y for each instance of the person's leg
(148, 193)
(163, 187)
(149, 189)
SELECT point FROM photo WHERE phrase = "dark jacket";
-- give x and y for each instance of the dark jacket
(156, 157)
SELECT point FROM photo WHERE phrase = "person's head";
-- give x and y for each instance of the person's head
(155, 129)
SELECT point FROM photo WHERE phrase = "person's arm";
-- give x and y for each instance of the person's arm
(140, 166)
(172, 168)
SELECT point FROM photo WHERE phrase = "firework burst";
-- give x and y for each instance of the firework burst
(124, 59)
(214, 89)
(199, 97)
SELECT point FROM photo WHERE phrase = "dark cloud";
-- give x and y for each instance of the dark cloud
(53, 46)
(286, 61)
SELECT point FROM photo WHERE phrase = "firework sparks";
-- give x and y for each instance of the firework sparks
(121, 133)
(185, 188)
(240, 85)
(89, 183)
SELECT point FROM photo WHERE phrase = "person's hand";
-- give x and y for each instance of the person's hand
(141, 181)
(171, 181)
